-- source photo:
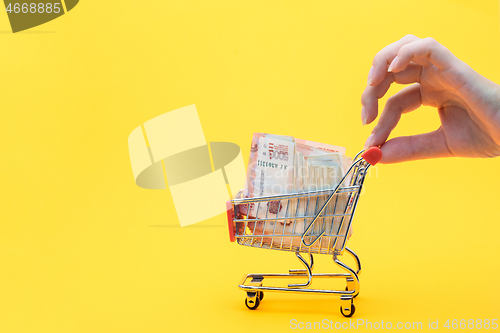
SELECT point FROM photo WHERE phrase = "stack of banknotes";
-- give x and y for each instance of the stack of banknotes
(285, 165)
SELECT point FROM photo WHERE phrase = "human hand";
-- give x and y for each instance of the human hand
(468, 104)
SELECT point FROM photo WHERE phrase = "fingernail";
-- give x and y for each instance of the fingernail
(391, 66)
(369, 141)
(363, 115)
(370, 76)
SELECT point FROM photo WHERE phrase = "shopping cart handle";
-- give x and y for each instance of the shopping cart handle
(372, 155)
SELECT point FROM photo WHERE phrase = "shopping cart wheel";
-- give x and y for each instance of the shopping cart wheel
(261, 295)
(252, 304)
(353, 309)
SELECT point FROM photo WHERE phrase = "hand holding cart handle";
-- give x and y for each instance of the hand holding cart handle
(372, 156)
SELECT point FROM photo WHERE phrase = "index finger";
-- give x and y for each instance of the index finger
(383, 59)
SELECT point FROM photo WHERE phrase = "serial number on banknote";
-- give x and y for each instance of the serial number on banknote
(271, 165)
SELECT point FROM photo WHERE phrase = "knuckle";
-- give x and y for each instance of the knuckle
(392, 105)
(403, 49)
(378, 59)
(389, 104)
(365, 96)
(410, 37)
(431, 42)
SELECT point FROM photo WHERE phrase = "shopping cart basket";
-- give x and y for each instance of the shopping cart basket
(316, 222)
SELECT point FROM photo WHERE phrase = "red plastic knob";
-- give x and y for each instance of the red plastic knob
(372, 155)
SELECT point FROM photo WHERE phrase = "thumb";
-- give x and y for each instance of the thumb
(415, 147)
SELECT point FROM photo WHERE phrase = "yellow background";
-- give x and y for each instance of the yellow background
(83, 249)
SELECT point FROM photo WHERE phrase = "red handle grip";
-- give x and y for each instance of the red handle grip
(230, 220)
(372, 155)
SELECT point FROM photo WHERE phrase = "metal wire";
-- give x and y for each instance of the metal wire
(328, 213)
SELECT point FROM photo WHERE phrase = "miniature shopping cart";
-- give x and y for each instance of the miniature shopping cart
(316, 222)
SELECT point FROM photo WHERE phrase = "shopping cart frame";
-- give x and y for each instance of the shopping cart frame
(238, 224)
